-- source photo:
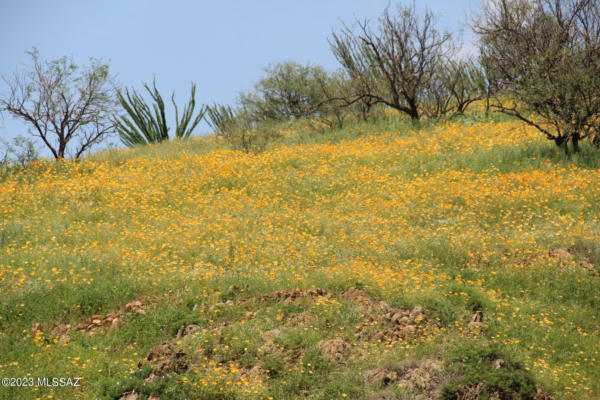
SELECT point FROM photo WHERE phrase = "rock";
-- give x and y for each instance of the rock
(383, 306)
(417, 310)
(82, 326)
(409, 329)
(115, 322)
(187, 329)
(475, 325)
(160, 352)
(290, 296)
(396, 317)
(477, 317)
(129, 396)
(589, 266)
(136, 307)
(60, 329)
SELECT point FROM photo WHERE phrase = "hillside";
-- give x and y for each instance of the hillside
(385, 262)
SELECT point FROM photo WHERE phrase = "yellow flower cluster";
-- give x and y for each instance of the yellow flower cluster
(391, 210)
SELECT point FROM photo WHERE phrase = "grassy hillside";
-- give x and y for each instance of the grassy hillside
(379, 262)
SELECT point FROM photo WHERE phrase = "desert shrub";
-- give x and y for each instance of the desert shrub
(292, 92)
(240, 129)
(488, 373)
(17, 154)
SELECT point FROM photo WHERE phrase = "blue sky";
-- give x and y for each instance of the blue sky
(221, 46)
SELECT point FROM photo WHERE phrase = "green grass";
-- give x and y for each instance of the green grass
(459, 217)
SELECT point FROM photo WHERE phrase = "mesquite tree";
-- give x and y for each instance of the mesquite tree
(544, 58)
(395, 64)
(63, 103)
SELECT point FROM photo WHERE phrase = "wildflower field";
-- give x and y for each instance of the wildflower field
(393, 262)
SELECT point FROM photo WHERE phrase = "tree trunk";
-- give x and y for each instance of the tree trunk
(61, 149)
(575, 144)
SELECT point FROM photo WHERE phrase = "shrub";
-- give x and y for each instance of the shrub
(240, 130)
(20, 152)
(288, 91)
(487, 373)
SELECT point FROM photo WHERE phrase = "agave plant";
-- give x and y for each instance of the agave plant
(220, 116)
(143, 125)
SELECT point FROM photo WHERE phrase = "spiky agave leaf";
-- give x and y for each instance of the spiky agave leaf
(142, 125)
(183, 127)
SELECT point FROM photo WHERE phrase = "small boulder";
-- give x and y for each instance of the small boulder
(187, 329)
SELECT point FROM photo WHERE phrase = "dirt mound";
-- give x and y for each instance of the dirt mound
(424, 377)
(133, 395)
(365, 300)
(166, 359)
(112, 320)
(541, 395)
(421, 376)
(97, 321)
(290, 296)
(395, 324)
(335, 350)
(475, 392)
(136, 307)
(357, 295)
(299, 319)
(187, 329)
(569, 260)
(160, 352)
(380, 376)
